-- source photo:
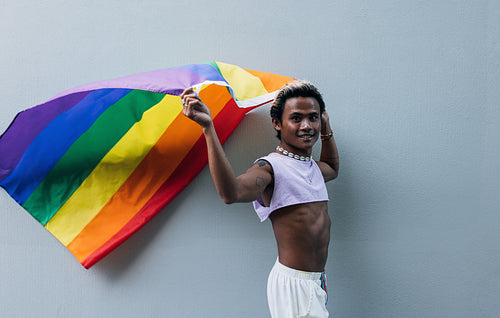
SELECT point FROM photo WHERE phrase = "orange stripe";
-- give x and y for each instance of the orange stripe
(272, 82)
(151, 173)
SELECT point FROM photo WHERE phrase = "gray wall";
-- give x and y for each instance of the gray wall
(412, 88)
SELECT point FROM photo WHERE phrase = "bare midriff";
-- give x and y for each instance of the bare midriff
(302, 233)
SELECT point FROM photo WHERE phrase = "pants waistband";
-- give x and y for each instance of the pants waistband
(297, 273)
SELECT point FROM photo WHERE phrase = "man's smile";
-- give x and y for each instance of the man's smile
(306, 137)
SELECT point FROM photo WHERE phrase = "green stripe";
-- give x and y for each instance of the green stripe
(86, 153)
(214, 65)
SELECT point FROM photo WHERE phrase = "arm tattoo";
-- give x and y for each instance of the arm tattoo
(260, 183)
(262, 163)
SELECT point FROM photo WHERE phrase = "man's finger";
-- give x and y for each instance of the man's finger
(187, 91)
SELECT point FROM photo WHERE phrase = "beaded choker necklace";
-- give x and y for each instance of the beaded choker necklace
(291, 155)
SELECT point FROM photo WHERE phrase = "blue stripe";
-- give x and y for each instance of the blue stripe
(204, 70)
(51, 144)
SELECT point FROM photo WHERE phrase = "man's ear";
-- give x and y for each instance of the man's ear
(276, 124)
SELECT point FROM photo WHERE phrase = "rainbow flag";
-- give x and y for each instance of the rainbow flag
(97, 162)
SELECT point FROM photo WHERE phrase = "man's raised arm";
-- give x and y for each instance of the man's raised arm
(329, 159)
(245, 188)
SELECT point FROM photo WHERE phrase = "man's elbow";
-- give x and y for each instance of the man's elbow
(335, 174)
(228, 198)
(332, 175)
(335, 170)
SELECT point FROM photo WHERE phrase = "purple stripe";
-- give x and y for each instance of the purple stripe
(170, 81)
(27, 125)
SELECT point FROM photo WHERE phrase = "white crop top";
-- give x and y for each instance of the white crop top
(295, 182)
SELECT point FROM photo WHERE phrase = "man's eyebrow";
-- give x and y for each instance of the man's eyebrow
(304, 114)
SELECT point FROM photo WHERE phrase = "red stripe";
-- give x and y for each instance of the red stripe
(225, 123)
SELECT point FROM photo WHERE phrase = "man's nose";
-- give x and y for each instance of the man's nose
(305, 124)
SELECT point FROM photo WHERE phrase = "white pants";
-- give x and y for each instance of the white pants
(292, 293)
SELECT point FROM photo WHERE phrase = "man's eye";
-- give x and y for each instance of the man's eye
(314, 118)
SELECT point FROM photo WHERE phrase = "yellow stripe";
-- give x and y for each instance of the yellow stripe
(113, 170)
(245, 85)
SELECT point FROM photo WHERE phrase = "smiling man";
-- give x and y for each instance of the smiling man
(288, 187)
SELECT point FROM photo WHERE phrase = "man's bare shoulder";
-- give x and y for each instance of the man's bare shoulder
(260, 168)
(255, 181)
(264, 179)
(263, 169)
(263, 164)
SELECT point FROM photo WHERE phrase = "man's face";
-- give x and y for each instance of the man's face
(300, 125)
